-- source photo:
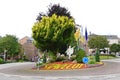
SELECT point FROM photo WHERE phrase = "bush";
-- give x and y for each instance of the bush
(44, 58)
(97, 56)
(1, 61)
(73, 57)
(39, 64)
(60, 58)
(113, 55)
(52, 57)
(91, 62)
(24, 58)
(21, 60)
(80, 54)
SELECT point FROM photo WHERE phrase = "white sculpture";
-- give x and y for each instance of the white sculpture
(70, 51)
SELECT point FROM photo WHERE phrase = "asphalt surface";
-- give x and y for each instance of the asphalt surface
(22, 71)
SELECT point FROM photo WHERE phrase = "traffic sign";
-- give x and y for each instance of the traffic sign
(85, 60)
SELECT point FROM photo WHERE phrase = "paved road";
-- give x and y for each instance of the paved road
(22, 71)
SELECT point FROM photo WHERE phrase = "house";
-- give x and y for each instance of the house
(29, 49)
(112, 39)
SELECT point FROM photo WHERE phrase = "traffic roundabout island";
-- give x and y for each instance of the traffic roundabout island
(106, 69)
(59, 69)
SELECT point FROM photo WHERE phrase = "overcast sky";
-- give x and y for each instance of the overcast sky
(99, 16)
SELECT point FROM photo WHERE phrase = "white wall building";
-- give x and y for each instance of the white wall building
(112, 39)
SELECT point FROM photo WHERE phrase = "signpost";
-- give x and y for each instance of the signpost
(85, 60)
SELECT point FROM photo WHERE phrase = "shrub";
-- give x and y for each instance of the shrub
(97, 57)
(60, 58)
(24, 58)
(1, 61)
(21, 60)
(52, 57)
(44, 58)
(92, 58)
(39, 64)
(80, 54)
(91, 62)
(112, 55)
(73, 57)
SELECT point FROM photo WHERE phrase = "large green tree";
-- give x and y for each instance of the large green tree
(115, 48)
(99, 42)
(52, 32)
(59, 11)
(10, 44)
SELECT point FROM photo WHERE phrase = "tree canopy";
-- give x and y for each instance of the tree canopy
(115, 48)
(52, 32)
(97, 42)
(9, 43)
(58, 10)
(55, 9)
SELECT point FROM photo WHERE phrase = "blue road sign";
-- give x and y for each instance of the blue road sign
(85, 60)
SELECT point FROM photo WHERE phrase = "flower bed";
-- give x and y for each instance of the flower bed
(67, 66)
(62, 66)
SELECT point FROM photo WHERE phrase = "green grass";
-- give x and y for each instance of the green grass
(106, 57)
(101, 57)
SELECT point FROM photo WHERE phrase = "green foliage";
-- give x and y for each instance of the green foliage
(39, 64)
(55, 9)
(58, 10)
(102, 57)
(97, 56)
(52, 32)
(60, 58)
(21, 60)
(107, 57)
(115, 48)
(52, 56)
(10, 43)
(80, 54)
(1, 61)
(73, 57)
(63, 49)
(91, 62)
(24, 58)
(110, 55)
(44, 58)
(99, 42)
